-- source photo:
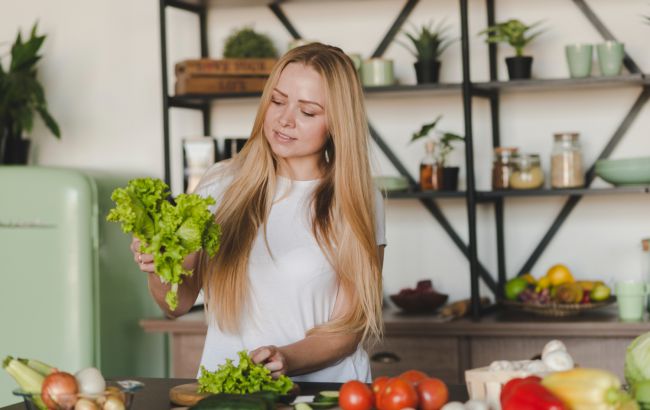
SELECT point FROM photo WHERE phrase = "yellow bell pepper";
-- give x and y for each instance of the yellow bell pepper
(588, 389)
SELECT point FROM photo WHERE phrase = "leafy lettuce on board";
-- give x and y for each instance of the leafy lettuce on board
(168, 232)
(246, 377)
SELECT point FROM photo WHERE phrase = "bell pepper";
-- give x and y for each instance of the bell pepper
(529, 394)
(588, 389)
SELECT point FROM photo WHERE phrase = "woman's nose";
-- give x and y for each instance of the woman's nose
(286, 118)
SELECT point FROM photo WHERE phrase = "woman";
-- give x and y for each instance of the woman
(297, 279)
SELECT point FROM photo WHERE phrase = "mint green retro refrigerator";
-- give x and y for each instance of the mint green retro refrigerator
(70, 294)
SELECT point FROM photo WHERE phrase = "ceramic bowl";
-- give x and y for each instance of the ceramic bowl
(420, 302)
(627, 171)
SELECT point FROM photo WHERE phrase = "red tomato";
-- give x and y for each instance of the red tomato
(397, 394)
(355, 395)
(413, 376)
(433, 394)
(377, 386)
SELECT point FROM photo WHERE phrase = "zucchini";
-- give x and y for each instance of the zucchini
(225, 401)
(327, 396)
(322, 404)
(302, 406)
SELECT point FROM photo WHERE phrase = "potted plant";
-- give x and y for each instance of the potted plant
(427, 46)
(444, 147)
(246, 43)
(518, 35)
(21, 95)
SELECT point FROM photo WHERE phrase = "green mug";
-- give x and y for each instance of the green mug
(631, 297)
(579, 58)
(377, 72)
(610, 57)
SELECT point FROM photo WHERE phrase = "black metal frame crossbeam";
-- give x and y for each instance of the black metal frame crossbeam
(433, 209)
(277, 10)
(394, 28)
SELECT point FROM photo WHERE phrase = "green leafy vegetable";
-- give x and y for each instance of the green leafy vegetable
(637, 360)
(168, 232)
(246, 377)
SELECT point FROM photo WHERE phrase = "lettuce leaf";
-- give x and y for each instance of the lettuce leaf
(246, 377)
(168, 232)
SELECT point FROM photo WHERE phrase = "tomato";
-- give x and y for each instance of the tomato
(413, 376)
(433, 394)
(397, 394)
(377, 386)
(355, 395)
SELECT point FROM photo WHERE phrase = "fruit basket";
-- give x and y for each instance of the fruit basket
(555, 309)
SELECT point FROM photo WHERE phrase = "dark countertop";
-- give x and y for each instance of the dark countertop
(155, 394)
(601, 322)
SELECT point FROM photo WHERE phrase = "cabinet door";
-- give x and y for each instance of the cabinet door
(186, 354)
(438, 357)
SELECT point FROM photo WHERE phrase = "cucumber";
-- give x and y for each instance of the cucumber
(225, 401)
(327, 396)
(302, 406)
(323, 404)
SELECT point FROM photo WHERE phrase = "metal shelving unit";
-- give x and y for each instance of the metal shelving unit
(468, 89)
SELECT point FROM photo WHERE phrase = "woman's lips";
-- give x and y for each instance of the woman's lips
(283, 138)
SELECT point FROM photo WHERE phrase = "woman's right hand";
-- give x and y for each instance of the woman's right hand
(143, 260)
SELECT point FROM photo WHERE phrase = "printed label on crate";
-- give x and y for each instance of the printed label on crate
(228, 66)
(218, 85)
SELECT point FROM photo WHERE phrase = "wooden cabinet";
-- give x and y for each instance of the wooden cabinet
(446, 350)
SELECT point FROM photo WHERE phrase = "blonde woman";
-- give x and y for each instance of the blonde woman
(297, 280)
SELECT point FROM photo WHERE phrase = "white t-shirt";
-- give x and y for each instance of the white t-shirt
(292, 292)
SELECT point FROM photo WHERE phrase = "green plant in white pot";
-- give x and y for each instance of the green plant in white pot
(21, 96)
(427, 45)
(518, 35)
(444, 147)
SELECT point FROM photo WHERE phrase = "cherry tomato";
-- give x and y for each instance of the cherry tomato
(355, 395)
(432, 393)
(413, 376)
(377, 386)
(397, 394)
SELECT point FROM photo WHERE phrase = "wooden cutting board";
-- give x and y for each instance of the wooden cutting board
(186, 394)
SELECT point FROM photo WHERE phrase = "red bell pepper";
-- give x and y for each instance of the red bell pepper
(529, 394)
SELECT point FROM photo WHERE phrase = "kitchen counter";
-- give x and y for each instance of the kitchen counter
(446, 349)
(155, 394)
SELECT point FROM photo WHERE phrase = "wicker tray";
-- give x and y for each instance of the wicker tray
(555, 309)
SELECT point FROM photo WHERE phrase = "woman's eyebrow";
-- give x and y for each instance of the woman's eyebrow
(301, 101)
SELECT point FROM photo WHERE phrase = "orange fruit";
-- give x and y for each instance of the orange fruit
(559, 274)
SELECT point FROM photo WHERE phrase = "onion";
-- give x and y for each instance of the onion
(113, 403)
(59, 390)
(90, 381)
(85, 404)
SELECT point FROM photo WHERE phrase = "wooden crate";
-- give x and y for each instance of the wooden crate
(226, 67)
(210, 84)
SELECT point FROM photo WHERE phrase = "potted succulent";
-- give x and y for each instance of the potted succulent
(21, 95)
(518, 35)
(444, 147)
(246, 43)
(428, 44)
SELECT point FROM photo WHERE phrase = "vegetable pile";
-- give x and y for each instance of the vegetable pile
(246, 377)
(168, 232)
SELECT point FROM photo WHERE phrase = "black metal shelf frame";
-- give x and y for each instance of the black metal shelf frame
(467, 90)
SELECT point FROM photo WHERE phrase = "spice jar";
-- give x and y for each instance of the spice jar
(527, 172)
(566, 161)
(502, 167)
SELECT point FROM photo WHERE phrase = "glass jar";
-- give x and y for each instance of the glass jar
(502, 167)
(430, 171)
(527, 172)
(566, 161)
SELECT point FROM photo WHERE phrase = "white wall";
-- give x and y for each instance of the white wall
(102, 77)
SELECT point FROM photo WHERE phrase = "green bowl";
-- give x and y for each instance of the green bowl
(627, 171)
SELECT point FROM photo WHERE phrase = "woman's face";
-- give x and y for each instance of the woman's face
(295, 124)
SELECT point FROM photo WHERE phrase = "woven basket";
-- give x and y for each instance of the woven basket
(555, 309)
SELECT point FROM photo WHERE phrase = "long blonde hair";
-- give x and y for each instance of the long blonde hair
(343, 203)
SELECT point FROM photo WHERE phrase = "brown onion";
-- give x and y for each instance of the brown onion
(59, 391)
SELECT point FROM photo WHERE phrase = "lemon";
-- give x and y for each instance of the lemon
(559, 274)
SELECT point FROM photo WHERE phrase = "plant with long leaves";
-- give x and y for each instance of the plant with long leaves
(428, 43)
(443, 141)
(21, 94)
(513, 32)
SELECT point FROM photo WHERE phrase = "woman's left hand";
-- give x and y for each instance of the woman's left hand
(272, 358)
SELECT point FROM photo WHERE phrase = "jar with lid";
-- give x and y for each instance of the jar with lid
(430, 170)
(502, 167)
(566, 161)
(527, 172)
